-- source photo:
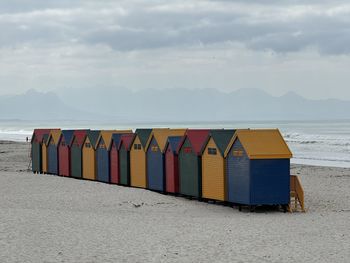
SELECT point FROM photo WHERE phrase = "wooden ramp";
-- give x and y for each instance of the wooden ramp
(296, 195)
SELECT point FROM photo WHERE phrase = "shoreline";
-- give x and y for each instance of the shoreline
(292, 163)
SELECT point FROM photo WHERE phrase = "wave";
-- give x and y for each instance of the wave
(302, 142)
(341, 140)
(325, 159)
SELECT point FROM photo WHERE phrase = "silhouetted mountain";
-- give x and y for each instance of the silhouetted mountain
(34, 105)
(203, 105)
(169, 105)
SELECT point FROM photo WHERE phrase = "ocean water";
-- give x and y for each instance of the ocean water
(324, 143)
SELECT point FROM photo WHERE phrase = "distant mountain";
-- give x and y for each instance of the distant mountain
(34, 105)
(168, 105)
(202, 105)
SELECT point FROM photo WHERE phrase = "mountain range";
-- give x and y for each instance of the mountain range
(168, 105)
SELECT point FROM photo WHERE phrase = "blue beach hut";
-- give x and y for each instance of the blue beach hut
(258, 168)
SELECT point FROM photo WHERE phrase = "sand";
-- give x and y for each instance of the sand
(45, 218)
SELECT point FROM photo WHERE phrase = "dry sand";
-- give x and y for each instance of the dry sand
(45, 218)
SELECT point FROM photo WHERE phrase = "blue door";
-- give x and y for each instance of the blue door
(270, 181)
(155, 168)
(52, 167)
(102, 158)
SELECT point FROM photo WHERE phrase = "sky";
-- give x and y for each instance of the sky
(277, 46)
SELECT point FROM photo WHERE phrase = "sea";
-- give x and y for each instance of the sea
(321, 143)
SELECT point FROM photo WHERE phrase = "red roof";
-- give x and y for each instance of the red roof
(197, 139)
(127, 140)
(39, 133)
(79, 135)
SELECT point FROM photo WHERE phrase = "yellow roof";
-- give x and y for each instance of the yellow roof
(107, 136)
(55, 134)
(262, 144)
(161, 135)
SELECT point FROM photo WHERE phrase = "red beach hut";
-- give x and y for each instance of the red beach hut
(64, 152)
(171, 164)
(114, 158)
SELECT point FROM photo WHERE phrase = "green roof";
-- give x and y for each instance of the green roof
(143, 135)
(45, 137)
(93, 136)
(222, 138)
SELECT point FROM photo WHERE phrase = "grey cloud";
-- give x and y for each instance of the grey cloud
(151, 26)
(15, 6)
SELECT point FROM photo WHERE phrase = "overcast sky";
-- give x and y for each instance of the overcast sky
(278, 46)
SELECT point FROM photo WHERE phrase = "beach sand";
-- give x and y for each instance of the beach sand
(45, 218)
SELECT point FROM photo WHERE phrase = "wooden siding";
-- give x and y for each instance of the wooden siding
(102, 162)
(44, 157)
(52, 157)
(36, 157)
(189, 171)
(213, 173)
(63, 159)
(238, 170)
(155, 168)
(171, 171)
(124, 166)
(114, 159)
(270, 182)
(137, 165)
(89, 161)
(76, 158)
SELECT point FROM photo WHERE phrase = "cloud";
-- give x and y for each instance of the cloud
(290, 26)
(278, 46)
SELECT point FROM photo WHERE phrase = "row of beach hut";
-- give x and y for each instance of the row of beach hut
(244, 166)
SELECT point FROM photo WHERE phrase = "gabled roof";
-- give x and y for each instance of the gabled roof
(173, 141)
(197, 138)
(126, 140)
(262, 144)
(107, 136)
(39, 133)
(55, 135)
(93, 135)
(221, 138)
(67, 135)
(116, 139)
(79, 136)
(161, 136)
(45, 138)
(143, 135)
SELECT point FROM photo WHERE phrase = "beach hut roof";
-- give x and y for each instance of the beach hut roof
(161, 136)
(45, 138)
(197, 138)
(173, 141)
(67, 135)
(55, 135)
(79, 136)
(93, 136)
(221, 138)
(107, 136)
(262, 144)
(127, 140)
(39, 133)
(116, 139)
(143, 135)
